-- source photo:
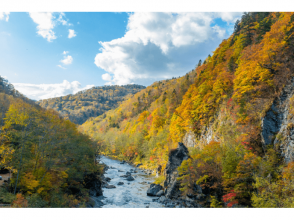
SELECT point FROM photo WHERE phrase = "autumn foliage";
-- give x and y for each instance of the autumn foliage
(46, 155)
(220, 105)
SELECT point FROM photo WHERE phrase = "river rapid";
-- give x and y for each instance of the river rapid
(132, 194)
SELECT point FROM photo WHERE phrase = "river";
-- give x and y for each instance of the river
(132, 194)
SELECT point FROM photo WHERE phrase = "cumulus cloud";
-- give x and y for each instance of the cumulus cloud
(46, 21)
(4, 16)
(45, 91)
(160, 45)
(230, 17)
(106, 77)
(71, 33)
(65, 52)
(67, 60)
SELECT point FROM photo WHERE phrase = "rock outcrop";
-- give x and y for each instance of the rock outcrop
(94, 184)
(278, 124)
(176, 158)
(154, 189)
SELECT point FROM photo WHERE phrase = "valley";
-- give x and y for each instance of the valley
(219, 136)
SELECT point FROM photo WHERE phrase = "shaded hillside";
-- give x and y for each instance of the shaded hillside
(46, 155)
(234, 112)
(89, 103)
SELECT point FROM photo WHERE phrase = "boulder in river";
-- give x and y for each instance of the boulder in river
(175, 159)
(128, 174)
(162, 199)
(123, 162)
(110, 187)
(160, 193)
(120, 183)
(107, 179)
(154, 189)
(130, 178)
(140, 164)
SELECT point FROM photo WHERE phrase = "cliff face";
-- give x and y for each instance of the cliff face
(278, 124)
(176, 158)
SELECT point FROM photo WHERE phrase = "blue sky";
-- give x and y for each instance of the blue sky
(52, 54)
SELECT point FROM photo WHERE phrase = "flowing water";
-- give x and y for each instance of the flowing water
(132, 194)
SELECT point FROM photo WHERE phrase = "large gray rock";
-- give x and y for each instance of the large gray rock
(160, 193)
(176, 157)
(154, 189)
(278, 124)
(130, 178)
(162, 199)
(110, 187)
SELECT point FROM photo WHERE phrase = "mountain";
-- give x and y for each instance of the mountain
(89, 103)
(234, 112)
(49, 160)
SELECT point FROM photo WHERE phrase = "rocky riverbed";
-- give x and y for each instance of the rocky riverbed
(125, 186)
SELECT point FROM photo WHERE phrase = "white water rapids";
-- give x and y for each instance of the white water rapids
(132, 194)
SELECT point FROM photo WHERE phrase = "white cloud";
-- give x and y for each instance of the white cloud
(106, 77)
(229, 16)
(71, 33)
(67, 60)
(61, 67)
(4, 15)
(45, 91)
(160, 45)
(220, 31)
(62, 21)
(65, 52)
(46, 22)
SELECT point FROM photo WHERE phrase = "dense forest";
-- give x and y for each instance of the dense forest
(89, 103)
(227, 111)
(47, 158)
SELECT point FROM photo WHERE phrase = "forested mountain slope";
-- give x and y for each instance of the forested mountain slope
(140, 125)
(89, 103)
(48, 158)
(234, 112)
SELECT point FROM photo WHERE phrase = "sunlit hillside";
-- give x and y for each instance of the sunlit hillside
(219, 110)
